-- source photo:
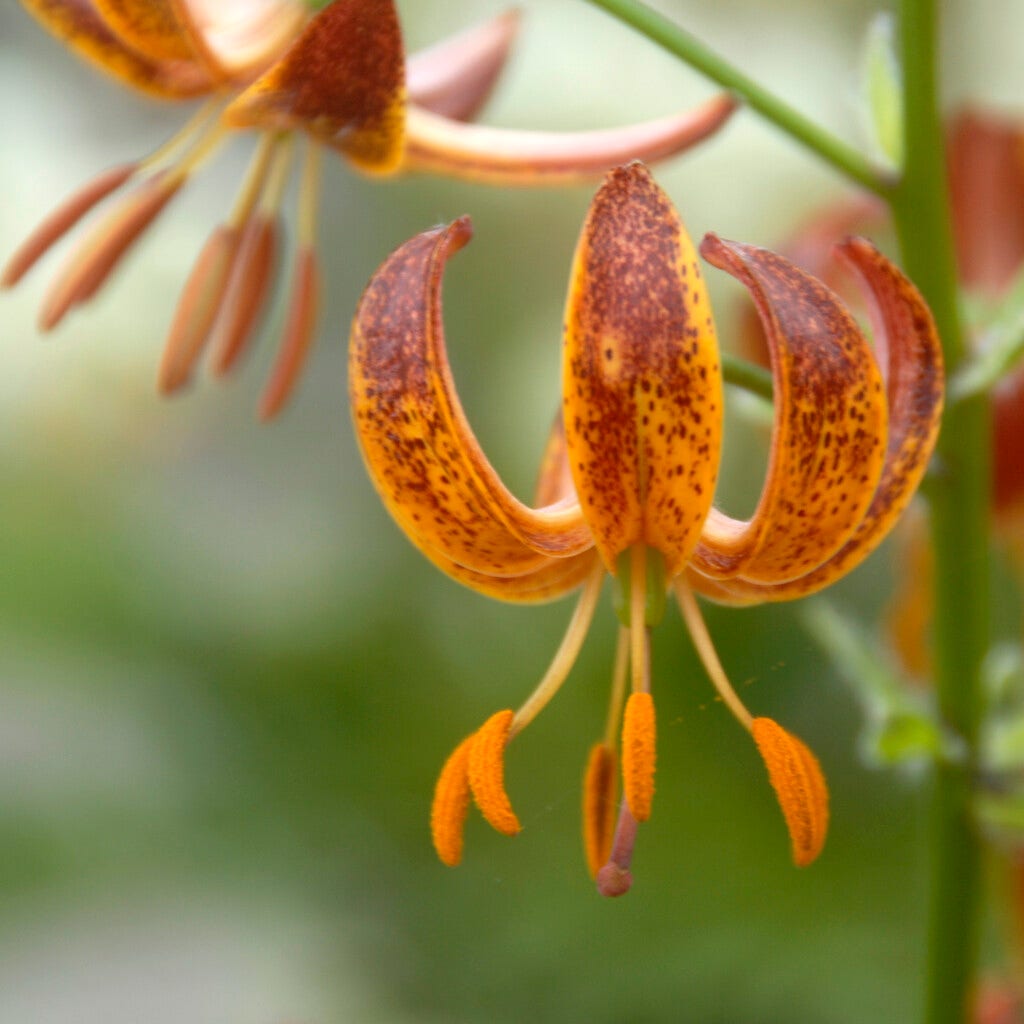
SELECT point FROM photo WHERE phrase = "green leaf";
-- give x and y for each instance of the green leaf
(882, 86)
(999, 348)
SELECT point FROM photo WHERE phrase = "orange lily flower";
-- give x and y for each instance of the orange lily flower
(629, 475)
(340, 77)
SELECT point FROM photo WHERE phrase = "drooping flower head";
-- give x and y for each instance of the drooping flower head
(629, 475)
(340, 78)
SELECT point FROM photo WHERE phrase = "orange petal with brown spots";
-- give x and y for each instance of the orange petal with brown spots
(342, 82)
(418, 446)
(79, 25)
(909, 348)
(641, 379)
(828, 441)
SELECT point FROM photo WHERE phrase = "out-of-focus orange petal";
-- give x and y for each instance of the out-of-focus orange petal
(829, 437)
(239, 39)
(149, 27)
(416, 441)
(642, 383)
(342, 82)
(986, 178)
(78, 24)
(554, 480)
(908, 343)
(506, 156)
(454, 77)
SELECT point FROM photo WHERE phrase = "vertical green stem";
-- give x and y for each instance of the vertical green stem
(960, 516)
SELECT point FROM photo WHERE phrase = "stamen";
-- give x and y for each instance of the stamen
(62, 220)
(203, 295)
(798, 782)
(303, 305)
(637, 625)
(177, 141)
(598, 806)
(706, 650)
(252, 272)
(486, 769)
(615, 878)
(105, 246)
(639, 754)
(618, 694)
(565, 656)
(451, 805)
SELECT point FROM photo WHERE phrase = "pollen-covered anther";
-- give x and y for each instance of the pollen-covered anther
(639, 754)
(599, 785)
(487, 773)
(451, 804)
(800, 786)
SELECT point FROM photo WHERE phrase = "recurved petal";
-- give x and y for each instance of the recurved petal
(78, 24)
(238, 39)
(641, 379)
(908, 343)
(440, 145)
(829, 437)
(418, 447)
(455, 77)
(342, 82)
(554, 481)
(554, 579)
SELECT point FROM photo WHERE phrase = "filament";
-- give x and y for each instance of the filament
(309, 194)
(277, 178)
(706, 650)
(618, 695)
(639, 647)
(255, 179)
(179, 138)
(566, 655)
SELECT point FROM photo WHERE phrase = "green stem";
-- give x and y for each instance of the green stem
(960, 517)
(749, 376)
(689, 49)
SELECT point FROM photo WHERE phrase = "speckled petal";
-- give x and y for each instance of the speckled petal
(642, 384)
(78, 24)
(908, 344)
(554, 579)
(829, 437)
(440, 145)
(416, 441)
(455, 77)
(342, 82)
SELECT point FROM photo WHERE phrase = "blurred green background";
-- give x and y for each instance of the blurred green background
(227, 683)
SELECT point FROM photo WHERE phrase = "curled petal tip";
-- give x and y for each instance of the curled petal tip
(455, 77)
(796, 777)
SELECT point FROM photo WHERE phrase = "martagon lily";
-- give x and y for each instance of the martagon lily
(340, 78)
(629, 475)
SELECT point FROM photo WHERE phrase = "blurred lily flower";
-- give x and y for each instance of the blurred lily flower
(629, 475)
(340, 77)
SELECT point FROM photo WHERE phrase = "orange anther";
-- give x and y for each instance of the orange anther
(599, 806)
(800, 786)
(487, 773)
(638, 754)
(451, 804)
